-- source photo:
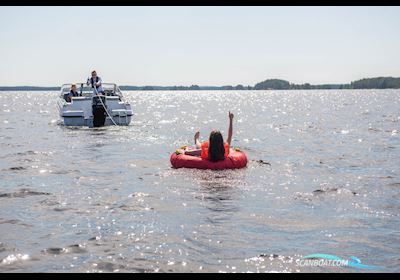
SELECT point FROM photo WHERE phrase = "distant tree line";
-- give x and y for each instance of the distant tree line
(380, 82)
(275, 84)
(28, 88)
(370, 83)
(192, 87)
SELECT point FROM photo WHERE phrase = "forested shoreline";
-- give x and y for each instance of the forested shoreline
(269, 84)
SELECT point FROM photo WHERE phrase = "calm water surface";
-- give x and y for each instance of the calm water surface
(91, 200)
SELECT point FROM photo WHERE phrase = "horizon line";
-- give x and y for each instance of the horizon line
(176, 85)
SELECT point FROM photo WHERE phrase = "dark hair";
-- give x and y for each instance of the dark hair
(216, 149)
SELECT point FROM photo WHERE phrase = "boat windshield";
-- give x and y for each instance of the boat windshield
(87, 91)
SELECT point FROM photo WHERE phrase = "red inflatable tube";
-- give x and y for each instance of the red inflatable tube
(235, 159)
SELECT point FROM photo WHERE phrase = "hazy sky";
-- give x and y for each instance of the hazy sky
(197, 45)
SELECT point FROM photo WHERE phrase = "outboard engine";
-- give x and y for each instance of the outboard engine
(99, 113)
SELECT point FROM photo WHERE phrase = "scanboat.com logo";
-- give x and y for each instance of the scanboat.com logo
(331, 260)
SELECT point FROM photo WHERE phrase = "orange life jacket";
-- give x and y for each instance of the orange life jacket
(204, 149)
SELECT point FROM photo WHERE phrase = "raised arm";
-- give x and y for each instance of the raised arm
(230, 130)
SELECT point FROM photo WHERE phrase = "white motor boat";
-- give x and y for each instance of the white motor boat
(94, 109)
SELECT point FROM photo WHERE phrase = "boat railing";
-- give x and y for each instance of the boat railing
(110, 89)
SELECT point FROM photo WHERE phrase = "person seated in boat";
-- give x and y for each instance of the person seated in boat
(215, 149)
(72, 93)
(95, 81)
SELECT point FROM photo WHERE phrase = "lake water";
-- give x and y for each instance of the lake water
(107, 199)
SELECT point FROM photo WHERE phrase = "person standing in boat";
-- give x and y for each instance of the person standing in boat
(95, 81)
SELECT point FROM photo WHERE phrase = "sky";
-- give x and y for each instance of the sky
(50, 46)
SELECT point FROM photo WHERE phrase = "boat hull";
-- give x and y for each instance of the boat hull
(82, 112)
(81, 121)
